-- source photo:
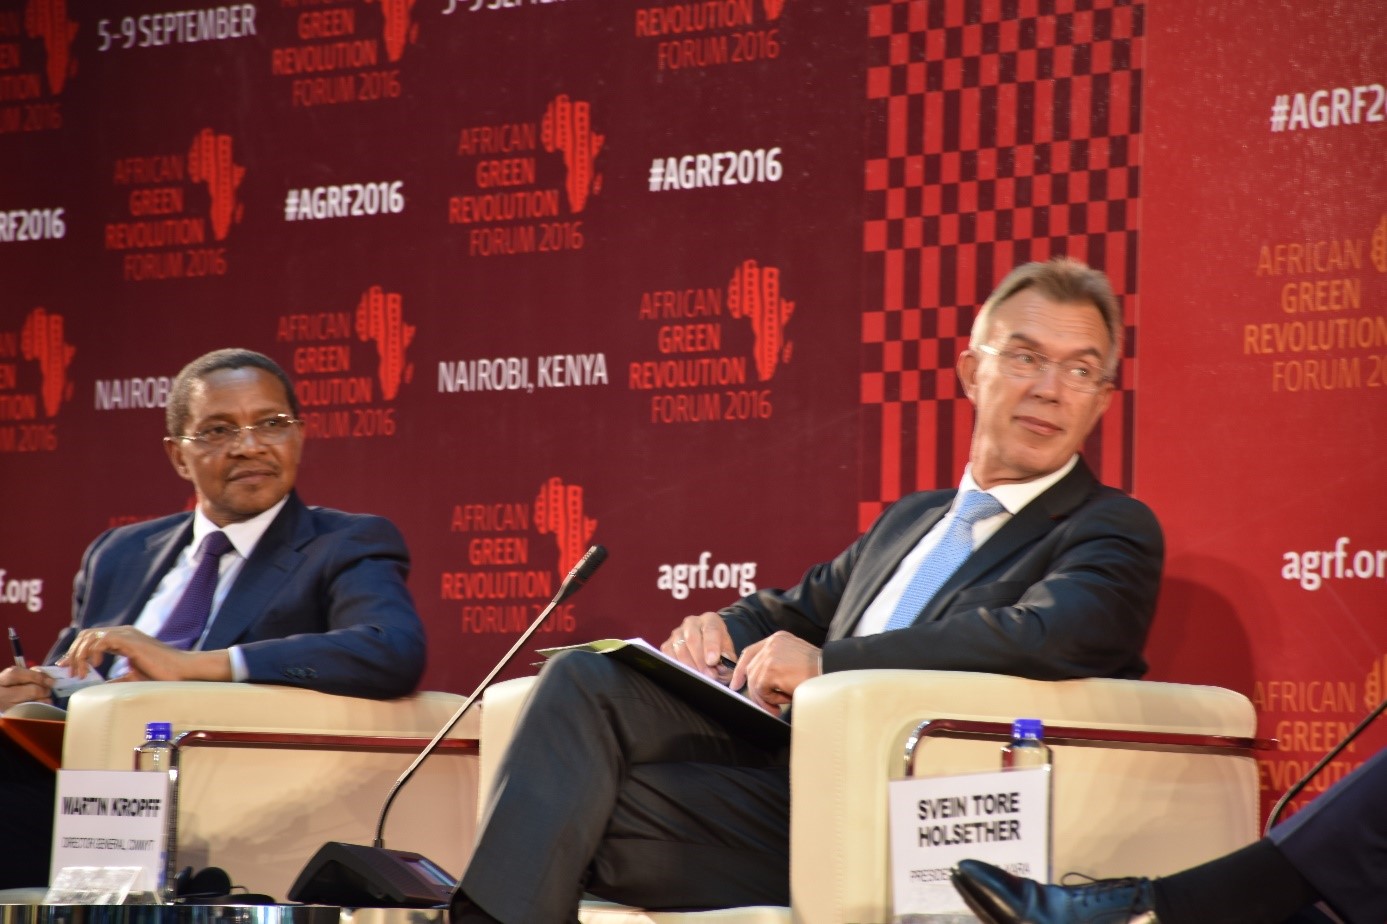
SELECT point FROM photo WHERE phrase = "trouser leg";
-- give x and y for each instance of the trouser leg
(697, 835)
(26, 817)
(599, 744)
(1339, 843)
(1253, 885)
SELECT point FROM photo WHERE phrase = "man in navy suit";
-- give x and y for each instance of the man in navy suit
(613, 786)
(302, 596)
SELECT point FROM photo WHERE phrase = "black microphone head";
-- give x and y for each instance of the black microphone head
(592, 560)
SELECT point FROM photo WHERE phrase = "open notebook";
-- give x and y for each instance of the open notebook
(716, 699)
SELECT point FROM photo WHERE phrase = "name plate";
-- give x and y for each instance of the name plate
(1000, 817)
(112, 818)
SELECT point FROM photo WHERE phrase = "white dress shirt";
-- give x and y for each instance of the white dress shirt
(1013, 497)
(244, 537)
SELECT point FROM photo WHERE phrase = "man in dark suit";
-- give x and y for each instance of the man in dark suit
(300, 596)
(1333, 851)
(1031, 568)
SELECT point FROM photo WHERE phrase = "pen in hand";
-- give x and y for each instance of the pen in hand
(17, 649)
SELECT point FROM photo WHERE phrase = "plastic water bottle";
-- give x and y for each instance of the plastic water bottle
(157, 751)
(156, 755)
(1027, 746)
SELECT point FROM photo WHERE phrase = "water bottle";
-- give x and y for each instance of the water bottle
(157, 751)
(156, 754)
(1027, 746)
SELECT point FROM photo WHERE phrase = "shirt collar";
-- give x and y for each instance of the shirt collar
(244, 535)
(1014, 496)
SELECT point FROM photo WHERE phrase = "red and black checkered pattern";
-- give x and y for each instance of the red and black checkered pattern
(1001, 131)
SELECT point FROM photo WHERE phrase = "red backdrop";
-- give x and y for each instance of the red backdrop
(687, 278)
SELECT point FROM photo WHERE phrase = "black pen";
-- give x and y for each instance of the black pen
(17, 649)
(723, 661)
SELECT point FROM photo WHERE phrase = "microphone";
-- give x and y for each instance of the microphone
(353, 875)
(578, 576)
(1323, 762)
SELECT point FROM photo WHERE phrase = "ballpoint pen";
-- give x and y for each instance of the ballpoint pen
(17, 649)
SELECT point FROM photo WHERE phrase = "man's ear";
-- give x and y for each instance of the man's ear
(174, 448)
(1104, 400)
(967, 369)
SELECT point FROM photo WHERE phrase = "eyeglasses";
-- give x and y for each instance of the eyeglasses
(1028, 364)
(270, 432)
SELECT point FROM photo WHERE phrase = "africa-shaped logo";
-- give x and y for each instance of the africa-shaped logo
(774, 8)
(41, 340)
(398, 28)
(1375, 681)
(559, 511)
(754, 293)
(380, 319)
(209, 162)
(47, 19)
(567, 127)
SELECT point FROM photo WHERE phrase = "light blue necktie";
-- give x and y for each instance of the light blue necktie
(944, 559)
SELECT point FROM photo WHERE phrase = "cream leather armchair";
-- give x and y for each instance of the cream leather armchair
(268, 774)
(1168, 781)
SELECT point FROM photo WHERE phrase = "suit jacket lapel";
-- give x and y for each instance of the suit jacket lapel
(272, 563)
(880, 569)
(1035, 520)
(160, 551)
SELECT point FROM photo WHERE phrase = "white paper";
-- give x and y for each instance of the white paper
(999, 817)
(113, 818)
(65, 684)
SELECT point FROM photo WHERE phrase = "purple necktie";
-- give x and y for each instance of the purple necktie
(189, 617)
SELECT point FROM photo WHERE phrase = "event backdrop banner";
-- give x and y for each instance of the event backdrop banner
(688, 278)
(1263, 382)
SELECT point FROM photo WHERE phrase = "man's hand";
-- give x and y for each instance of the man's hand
(701, 642)
(150, 659)
(24, 685)
(774, 667)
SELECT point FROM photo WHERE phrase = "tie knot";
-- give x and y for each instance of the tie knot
(978, 505)
(215, 544)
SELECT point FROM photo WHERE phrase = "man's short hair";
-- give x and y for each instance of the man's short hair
(1063, 280)
(176, 414)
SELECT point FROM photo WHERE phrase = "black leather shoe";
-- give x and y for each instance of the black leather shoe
(998, 897)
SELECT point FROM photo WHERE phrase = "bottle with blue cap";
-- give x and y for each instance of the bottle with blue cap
(1027, 747)
(157, 751)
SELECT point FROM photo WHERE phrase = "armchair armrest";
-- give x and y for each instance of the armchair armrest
(282, 770)
(1119, 808)
(1171, 795)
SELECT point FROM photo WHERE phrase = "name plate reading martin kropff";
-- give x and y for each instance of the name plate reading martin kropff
(112, 818)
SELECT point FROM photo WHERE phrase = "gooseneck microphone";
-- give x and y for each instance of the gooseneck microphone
(1323, 762)
(352, 875)
(589, 563)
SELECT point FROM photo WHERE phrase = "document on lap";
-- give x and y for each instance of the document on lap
(716, 699)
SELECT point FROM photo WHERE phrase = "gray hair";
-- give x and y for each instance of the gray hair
(1064, 280)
